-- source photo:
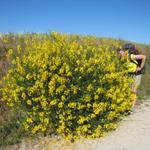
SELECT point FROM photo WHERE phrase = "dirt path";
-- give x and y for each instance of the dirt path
(133, 133)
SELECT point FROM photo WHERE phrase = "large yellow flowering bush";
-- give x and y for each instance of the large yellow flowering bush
(72, 84)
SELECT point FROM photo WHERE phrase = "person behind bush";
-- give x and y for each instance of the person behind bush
(135, 65)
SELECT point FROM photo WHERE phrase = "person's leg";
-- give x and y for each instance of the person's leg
(137, 81)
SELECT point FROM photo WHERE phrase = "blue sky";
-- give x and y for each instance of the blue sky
(125, 19)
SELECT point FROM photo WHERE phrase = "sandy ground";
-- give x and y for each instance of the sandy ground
(133, 133)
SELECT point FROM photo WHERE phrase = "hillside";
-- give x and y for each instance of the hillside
(9, 125)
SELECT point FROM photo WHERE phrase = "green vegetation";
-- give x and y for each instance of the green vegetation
(10, 128)
(144, 89)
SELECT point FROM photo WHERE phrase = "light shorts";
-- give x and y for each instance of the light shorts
(137, 80)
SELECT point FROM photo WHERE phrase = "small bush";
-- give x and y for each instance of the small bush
(74, 85)
(11, 130)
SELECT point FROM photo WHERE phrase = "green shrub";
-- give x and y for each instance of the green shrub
(11, 130)
(74, 85)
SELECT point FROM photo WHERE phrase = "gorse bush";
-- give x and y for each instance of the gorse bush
(74, 85)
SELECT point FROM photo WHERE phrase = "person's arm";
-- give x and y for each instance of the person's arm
(140, 57)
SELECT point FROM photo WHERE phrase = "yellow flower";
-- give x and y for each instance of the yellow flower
(46, 121)
(89, 105)
(60, 105)
(10, 52)
(44, 103)
(82, 119)
(72, 105)
(19, 48)
(53, 102)
(23, 96)
(41, 114)
(96, 97)
(35, 129)
(29, 102)
(26, 126)
(29, 120)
